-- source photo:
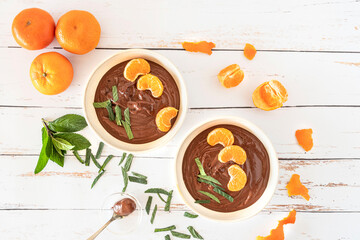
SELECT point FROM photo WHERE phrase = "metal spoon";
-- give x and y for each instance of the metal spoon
(122, 208)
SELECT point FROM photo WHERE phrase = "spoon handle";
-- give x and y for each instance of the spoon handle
(101, 229)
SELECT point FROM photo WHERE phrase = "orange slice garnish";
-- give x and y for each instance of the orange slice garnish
(249, 51)
(232, 153)
(295, 187)
(231, 76)
(304, 138)
(278, 232)
(163, 118)
(238, 178)
(203, 47)
(135, 68)
(220, 135)
(152, 83)
(270, 95)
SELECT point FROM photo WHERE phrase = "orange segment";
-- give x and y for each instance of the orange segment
(220, 135)
(249, 51)
(231, 76)
(270, 95)
(295, 187)
(135, 68)
(238, 178)
(304, 138)
(152, 83)
(163, 118)
(203, 47)
(232, 153)
(278, 232)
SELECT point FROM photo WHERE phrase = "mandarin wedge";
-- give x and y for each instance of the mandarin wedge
(202, 46)
(232, 153)
(135, 68)
(152, 83)
(220, 135)
(270, 95)
(304, 138)
(231, 76)
(295, 187)
(163, 118)
(249, 51)
(238, 178)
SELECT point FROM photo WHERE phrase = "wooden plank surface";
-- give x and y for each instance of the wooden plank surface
(325, 25)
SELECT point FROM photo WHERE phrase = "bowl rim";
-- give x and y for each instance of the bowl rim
(95, 124)
(238, 215)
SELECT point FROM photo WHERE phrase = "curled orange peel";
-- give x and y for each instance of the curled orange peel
(296, 188)
(249, 51)
(202, 46)
(304, 138)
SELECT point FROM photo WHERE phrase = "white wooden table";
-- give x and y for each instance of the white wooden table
(311, 46)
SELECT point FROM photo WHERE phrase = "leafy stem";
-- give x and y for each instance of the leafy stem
(50, 133)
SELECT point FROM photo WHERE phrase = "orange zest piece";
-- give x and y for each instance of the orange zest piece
(232, 153)
(249, 51)
(220, 135)
(238, 178)
(304, 138)
(152, 83)
(163, 118)
(135, 68)
(203, 47)
(278, 232)
(231, 76)
(295, 187)
(270, 95)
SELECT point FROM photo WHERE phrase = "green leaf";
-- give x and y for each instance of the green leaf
(97, 179)
(118, 115)
(157, 190)
(211, 179)
(210, 183)
(161, 198)
(200, 166)
(107, 160)
(43, 156)
(78, 141)
(128, 162)
(153, 214)
(139, 175)
(111, 112)
(125, 178)
(97, 164)
(76, 154)
(202, 201)
(87, 157)
(210, 196)
(68, 123)
(102, 104)
(168, 202)
(99, 150)
(148, 204)
(115, 93)
(122, 158)
(62, 144)
(167, 237)
(180, 235)
(57, 158)
(165, 229)
(194, 233)
(137, 180)
(59, 151)
(127, 129)
(190, 215)
(224, 194)
(127, 116)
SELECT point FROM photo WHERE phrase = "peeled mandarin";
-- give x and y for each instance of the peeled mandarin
(222, 136)
(249, 51)
(231, 76)
(152, 83)
(238, 178)
(135, 68)
(232, 153)
(304, 138)
(295, 187)
(163, 118)
(270, 95)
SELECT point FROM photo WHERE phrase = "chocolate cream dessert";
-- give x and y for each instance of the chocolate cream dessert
(142, 105)
(256, 167)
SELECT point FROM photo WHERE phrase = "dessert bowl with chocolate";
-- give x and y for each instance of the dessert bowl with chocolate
(135, 100)
(226, 169)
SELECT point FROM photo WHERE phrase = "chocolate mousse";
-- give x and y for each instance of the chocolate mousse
(256, 167)
(142, 105)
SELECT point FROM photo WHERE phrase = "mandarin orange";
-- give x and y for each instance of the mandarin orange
(33, 28)
(135, 68)
(231, 76)
(270, 95)
(222, 136)
(164, 117)
(152, 83)
(238, 178)
(232, 153)
(249, 51)
(51, 73)
(78, 31)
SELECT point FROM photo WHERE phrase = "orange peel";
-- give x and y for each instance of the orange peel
(222, 136)
(278, 232)
(232, 153)
(152, 83)
(296, 188)
(304, 138)
(249, 51)
(270, 95)
(231, 76)
(163, 118)
(136, 67)
(202, 46)
(238, 178)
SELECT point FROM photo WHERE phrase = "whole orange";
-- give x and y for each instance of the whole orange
(51, 73)
(33, 28)
(78, 31)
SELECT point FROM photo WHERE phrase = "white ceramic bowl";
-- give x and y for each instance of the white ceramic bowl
(243, 213)
(90, 113)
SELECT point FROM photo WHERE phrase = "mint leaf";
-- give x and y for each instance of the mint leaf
(61, 144)
(127, 129)
(115, 93)
(111, 112)
(118, 115)
(78, 141)
(43, 157)
(57, 158)
(68, 123)
(127, 116)
(101, 104)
